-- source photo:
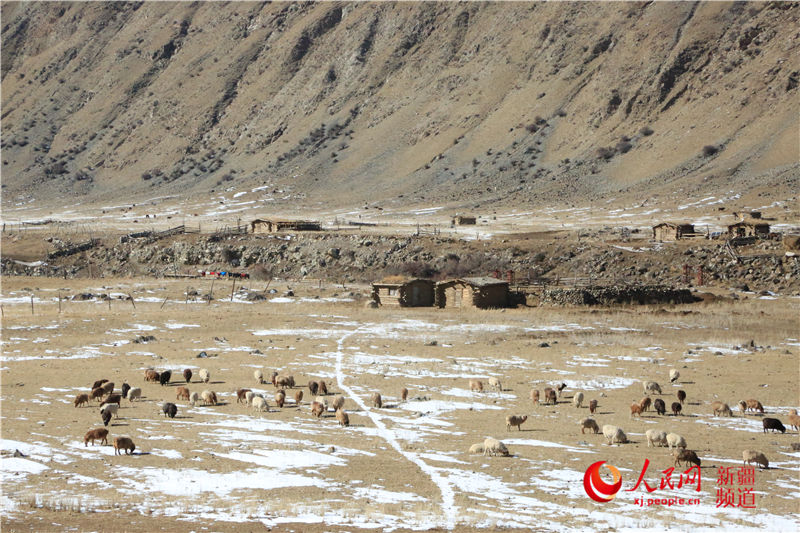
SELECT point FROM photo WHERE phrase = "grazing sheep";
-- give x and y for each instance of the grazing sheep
(342, 417)
(495, 384)
(476, 449)
(108, 387)
(259, 375)
(494, 447)
(674, 375)
(317, 409)
(547, 393)
(551, 397)
(561, 388)
(106, 416)
(194, 398)
(589, 423)
(164, 378)
(592, 406)
(376, 400)
(208, 397)
(774, 424)
(323, 388)
(656, 437)
(134, 394)
(403, 394)
(259, 404)
(686, 457)
(794, 420)
(535, 396)
(183, 394)
(613, 434)
(110, 408)
(338, 403)
(577, 400)
(742, 407)
(755, 405)
(675, 441)
(248, 397)
(285, 382)
(113, 398)
(752, 456)
(241, 395)
(660, 406)
(313, 387)
(280, 398)
(681, 396)
(81, 399)
(187, 375)
(99, 383)
(125, 389)
(475, 385)
(298, 397)
(169, 409)
(636, 410)
(123, 443)
(515, 420)
(323, 401)
(720, 408)
(676, 408)
(205, 375)
(150, 375)
(273, 377)
(644, 403)
(100, 434)
(651, 387)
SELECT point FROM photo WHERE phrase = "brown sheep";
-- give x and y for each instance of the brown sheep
(682, 455)
(636, 410)
(589, 423)
(720, 408)
(515, 420)
(742, 407)
(681, 396)
(752, 456)
(645, 403)
(592, 406)
(323, 388)
(535, 396)
(342, 417)
(338, 403)
(273, 378)
(404, 394)
(280, 397)
(187, 375)
(317, 409)
(794, 420)
(99, 383)
(298, 397)
(97, 394)
(151, 375)
(313, 387)
(108, 387)
(100, 434)
(112, 398)
(547, 394)
(241, 395)
(376, 400)
(81, 399)
(475, 385)
(284, 382)
(755, 405)
(123, 443)
(552, 397)
(182, 394)
(676, 408)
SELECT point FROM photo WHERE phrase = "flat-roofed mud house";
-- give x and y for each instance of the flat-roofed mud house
(397, 291)
(672, 231)
(276, 226)
(481, 293)
(748, 228)
(463, 220)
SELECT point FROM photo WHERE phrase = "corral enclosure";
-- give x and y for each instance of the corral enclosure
(402, 466)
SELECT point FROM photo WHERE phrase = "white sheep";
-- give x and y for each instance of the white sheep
(111, 408)
(476, 449)
(260, 404)
(205, 375)
(752, 456)
(323, 401)
(259, 375)
(135, 394)
(656, 437)
(651, 387)
(613, 434)
(674, 375)
(675, 440)
(577, 400)
(495, 384)
(494, 447)
(193, 398)
(208, 397)
(248, 397)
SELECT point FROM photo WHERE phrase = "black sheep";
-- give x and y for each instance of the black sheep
(170, 409)
(681, 396)
(660, 406)
(686, 456)
(125, 389)
(313, 386)
(187, 375)
(676, 408)
(165, 376)
(774, 424)
(106, 417)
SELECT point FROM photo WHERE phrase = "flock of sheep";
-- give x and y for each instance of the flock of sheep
(103, 391)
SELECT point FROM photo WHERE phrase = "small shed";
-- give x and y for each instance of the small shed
(463, 220)
(671, 231)
(274, 226)
(748, 228)
(481, 293)
(397, 291)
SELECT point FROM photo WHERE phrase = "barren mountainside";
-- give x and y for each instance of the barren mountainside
(382, 103)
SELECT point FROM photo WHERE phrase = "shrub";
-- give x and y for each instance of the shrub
(709, 150)
(605, 153)
(646, 131)
(531, 128)
(623, 147)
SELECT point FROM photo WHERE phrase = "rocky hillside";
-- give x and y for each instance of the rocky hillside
(417, 103)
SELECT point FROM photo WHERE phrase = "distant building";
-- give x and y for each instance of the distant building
(748, 228)
(275, 226)
(463, 220)
(397, 291)
(481, 293)
(671, 231)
